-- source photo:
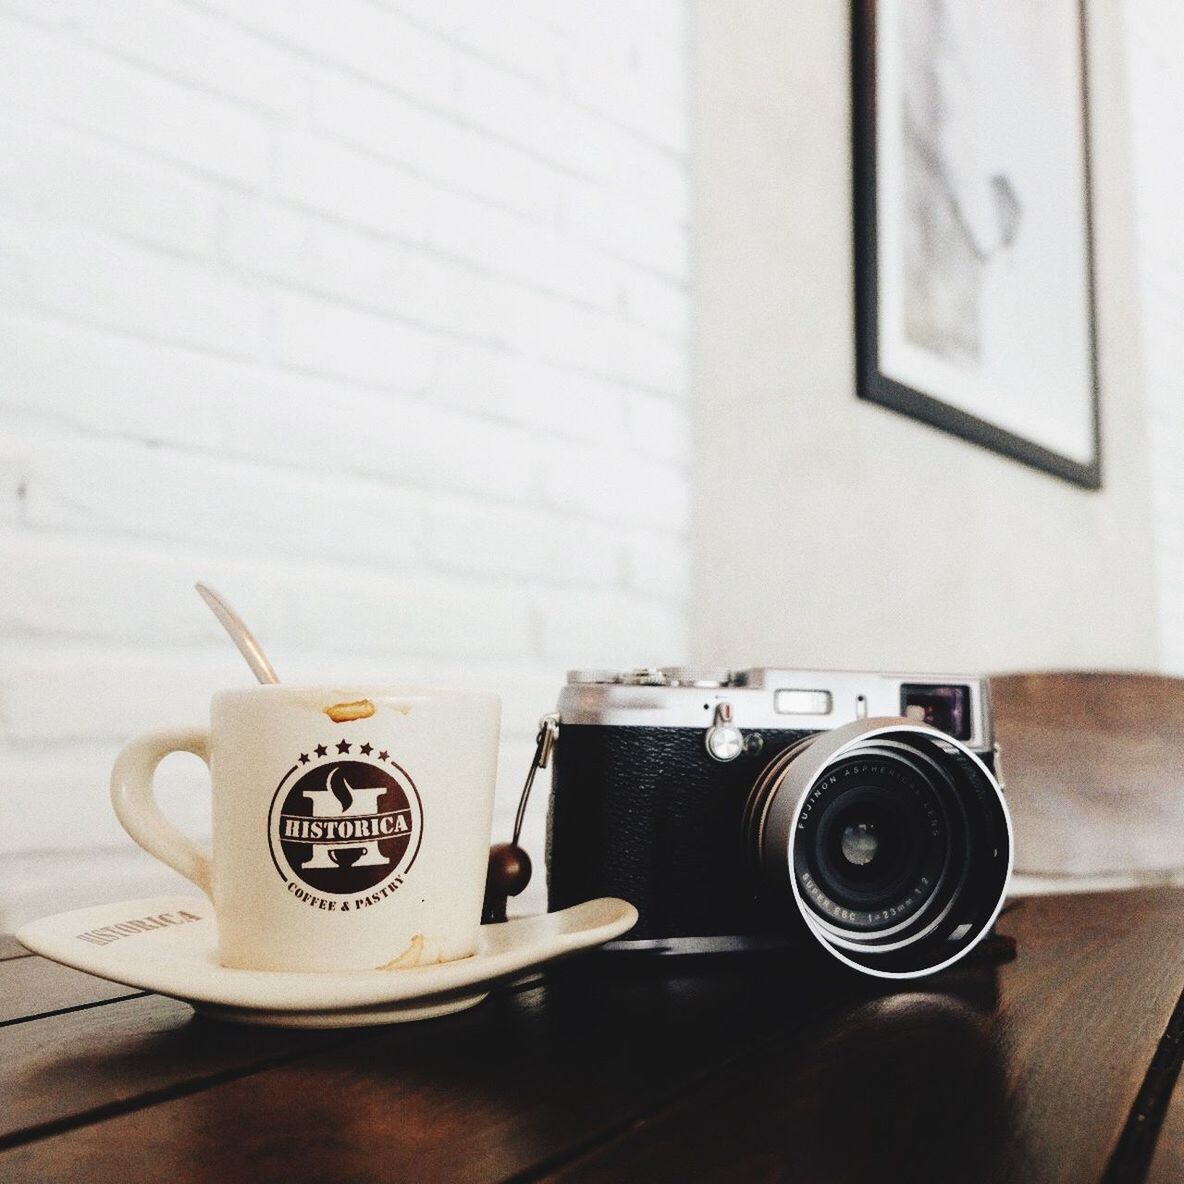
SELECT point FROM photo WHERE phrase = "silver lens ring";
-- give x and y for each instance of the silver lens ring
(963, 910)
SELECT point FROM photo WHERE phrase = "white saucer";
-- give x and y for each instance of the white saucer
(180, 960)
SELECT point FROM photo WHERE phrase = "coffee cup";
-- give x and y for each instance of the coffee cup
(351, 825)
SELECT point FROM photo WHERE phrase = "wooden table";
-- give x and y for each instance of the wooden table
(1057, 1065)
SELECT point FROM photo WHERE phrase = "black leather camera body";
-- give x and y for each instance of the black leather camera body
(750, 808)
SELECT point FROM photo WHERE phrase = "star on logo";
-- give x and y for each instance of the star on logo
(342, 746)
(383, 755)
(304, 758)
(366, 749)
(320, 750)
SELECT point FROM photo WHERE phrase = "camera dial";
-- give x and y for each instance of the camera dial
(706, 677)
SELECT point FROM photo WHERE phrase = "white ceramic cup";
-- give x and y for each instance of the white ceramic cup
(351, 824)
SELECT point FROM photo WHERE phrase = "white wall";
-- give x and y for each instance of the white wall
(375, 315)
(829, 531)
(372, 314)
(1155, 45)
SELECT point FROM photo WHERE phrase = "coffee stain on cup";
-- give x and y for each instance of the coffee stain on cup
(343, 713)
(408, 958)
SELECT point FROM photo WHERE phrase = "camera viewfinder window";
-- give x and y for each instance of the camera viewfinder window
(944, 707)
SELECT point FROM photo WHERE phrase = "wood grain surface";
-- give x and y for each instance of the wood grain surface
(1155, 1129)
(70, 1068)
(530, 1076)
(11, 948)
(924, 1087)
(30, 987)
(737, 1068)
(1094, 763)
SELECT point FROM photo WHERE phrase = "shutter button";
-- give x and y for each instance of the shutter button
(725, 741)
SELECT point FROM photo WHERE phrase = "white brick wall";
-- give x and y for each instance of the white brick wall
(1155, 48)
(373, 314)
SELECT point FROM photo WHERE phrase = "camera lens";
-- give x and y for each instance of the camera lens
(879, 792)
(890, 840)
(860, 843)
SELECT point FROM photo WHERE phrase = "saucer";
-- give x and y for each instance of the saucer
(172, 950)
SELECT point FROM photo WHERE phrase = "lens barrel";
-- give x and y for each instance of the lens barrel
(890, 839)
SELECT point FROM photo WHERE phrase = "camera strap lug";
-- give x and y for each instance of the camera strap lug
(724, 741)
(544, 746)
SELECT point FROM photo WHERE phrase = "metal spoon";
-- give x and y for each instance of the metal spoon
(239, 634)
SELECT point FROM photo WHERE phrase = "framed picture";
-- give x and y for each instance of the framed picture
(973, 254)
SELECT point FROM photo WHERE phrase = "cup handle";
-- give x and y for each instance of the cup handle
(135, 802)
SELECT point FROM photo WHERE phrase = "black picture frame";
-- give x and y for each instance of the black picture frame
(874, 386)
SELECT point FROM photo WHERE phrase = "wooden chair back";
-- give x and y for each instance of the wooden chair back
(1094, 770)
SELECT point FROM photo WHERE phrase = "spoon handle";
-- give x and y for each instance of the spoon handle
(239, 634)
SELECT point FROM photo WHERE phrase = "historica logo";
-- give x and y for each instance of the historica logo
(345, 826)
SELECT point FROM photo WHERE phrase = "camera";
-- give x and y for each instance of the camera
(742, 809)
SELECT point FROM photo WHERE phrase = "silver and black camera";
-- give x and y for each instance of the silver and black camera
(746, 808)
